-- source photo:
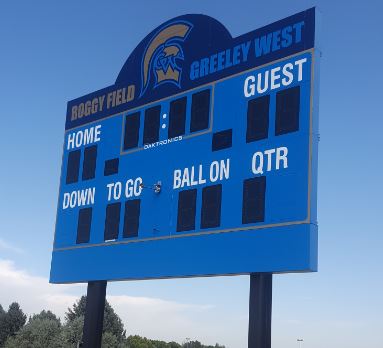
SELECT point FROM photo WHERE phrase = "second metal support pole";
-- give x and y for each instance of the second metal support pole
(260, 303)
(94, 314)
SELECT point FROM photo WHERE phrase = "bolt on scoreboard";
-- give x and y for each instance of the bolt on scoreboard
(200, 160)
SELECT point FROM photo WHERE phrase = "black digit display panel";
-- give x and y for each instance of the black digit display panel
(89, 164)
(132, 129)
(177, 117)
(222, 140)
(132, 218)
(253, 204)
(84, 225)
(257, 118)
(186, 210)
(111, 166)
(73, 166)
(112, 221)
(287, 113)
(152, 124)
(200, 111)
(211, 206)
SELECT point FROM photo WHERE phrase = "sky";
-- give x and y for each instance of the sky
(52, 52)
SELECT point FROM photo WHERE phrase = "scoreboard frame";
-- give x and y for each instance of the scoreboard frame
(289, 246)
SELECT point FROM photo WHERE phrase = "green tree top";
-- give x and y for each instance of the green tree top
(112, 322)
(11, 321)
(48, 315)
(41, 331)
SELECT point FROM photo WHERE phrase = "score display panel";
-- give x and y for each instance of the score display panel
(200, 160)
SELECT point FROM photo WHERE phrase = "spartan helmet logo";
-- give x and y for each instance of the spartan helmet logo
(165, 65)
(160, 59)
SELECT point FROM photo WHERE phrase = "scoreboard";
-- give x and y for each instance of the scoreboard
(200, 160)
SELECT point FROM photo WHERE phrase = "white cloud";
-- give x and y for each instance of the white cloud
(151, 317)
(31, 292)
(160, 319)
(9, 247)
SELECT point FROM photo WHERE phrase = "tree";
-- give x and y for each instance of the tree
(11, 321)
(143, 342)
(42, 330)
(72, 331)
(46, 315)
(193, 344)
(197, 344)
(72, 334)
(112, 322)
(45, 330)
(16, 318)
(77, 310)
(3, 326)
(162, 344)
(110, 341)
(174, 345)
(139, 342)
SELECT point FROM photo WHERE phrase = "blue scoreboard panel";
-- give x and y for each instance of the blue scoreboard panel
(200, 160)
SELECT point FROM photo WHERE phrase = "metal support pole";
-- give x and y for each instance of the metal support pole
(260, 310)
(94, 314)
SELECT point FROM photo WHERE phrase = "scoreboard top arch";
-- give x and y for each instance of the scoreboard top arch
(200, 160)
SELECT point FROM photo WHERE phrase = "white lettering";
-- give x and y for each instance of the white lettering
(300, 67)
(275, 77)
(114, 190)
(129, 188)
(84, 137)
(281, 156)
(133, 187)
(214, 171)
(66, 200)
(269, 154)
(249, 90)
(287, 73)
(137, 186)
(269, 80)
(88, 135)
(185, 178)
(79, 198)
(82, 196)
(257, 169)
(70, 141)
(79, 138)
(192, 180)
(110, 186)
(177, 179)
(218, 170)
(224, 170)
(258, 160)
(117, 190)
(201, 180)
(261, 90)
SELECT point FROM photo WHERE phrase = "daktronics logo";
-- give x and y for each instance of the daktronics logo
(163, 142)
(162, 55)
